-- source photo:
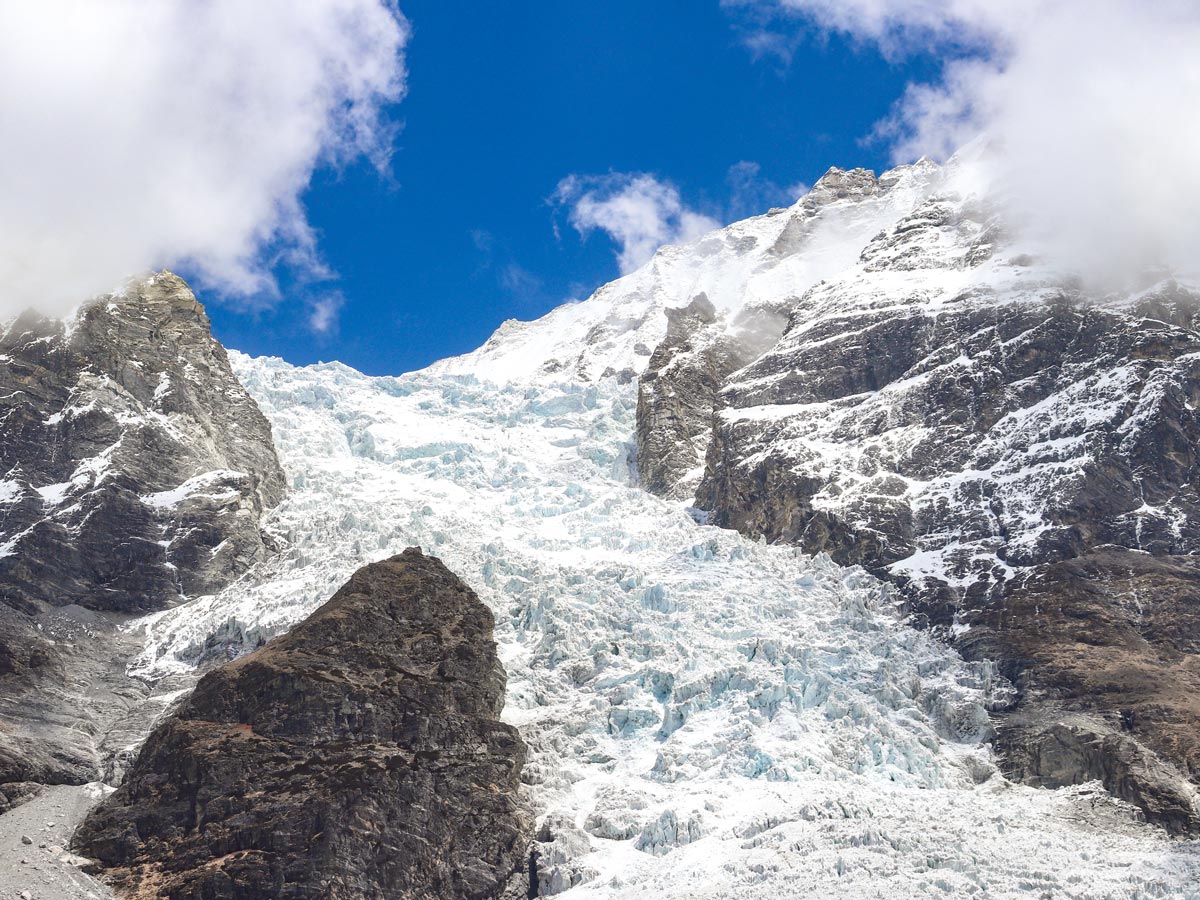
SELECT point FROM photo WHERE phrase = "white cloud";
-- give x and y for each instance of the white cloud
(147, 133)
(323, 312)
(1090, 106)
(639, 212)
(894, 23)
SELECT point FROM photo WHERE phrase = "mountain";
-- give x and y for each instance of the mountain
(135, 471)
(748, 270)
(1015, 452)
(679, 499)
(887, 373)
(136, 468)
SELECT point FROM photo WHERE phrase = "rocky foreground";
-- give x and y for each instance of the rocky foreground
(360, 755)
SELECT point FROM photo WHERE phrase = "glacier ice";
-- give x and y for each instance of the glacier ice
(708, 716)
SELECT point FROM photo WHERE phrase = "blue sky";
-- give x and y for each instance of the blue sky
(505, 100)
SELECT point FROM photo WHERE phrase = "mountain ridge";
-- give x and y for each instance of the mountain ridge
(952, 414)
(708, 714)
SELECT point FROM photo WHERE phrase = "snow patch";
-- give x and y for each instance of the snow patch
(54, 494)
(195, 486)
(10, 491)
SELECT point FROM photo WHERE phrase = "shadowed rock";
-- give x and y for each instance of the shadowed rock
(134, 467)
(679, 394)
(360, 755)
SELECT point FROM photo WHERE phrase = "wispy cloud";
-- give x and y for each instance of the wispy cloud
(1089, 106)
(520, 282)
(638, 211)
(483, 240)
(496, 261)
(144, 133)
(323, 312)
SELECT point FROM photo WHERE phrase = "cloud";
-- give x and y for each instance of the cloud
(483, 240)
(767, 43)
(639, 212)
(514, 279)
(148, 133)
(519, 281)
(895, 25)
(1088, 108)
(323, 312)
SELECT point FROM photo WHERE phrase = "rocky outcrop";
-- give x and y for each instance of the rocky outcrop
(134, 472)
(69, 711)
(1014, 451)
(844, 190)
(675, 416)
(679, 393)
(1109, 675)
(680, 389)
(360, 755)
(134, 468)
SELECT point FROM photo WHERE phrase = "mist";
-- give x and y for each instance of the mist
(1088, 110)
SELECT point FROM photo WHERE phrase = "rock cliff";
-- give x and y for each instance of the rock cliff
(1014, 449)
(677, 408)
(360, 755)
(134, 473)
(134, 465)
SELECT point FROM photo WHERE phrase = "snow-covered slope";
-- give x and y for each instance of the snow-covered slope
(1011, 444)
(761, 261)
(708, 716)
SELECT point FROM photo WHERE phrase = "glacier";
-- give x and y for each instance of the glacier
(708, 716)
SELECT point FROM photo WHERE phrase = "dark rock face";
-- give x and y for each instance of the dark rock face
(675, 415)
(68, 710)
(1020, 457)
(30, 662)
(1110, 682)
(134, 471)
(134, 467)
(679, 394)
(360, 755)
(1107, 458)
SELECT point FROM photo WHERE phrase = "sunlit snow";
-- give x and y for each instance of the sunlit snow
(708, 716)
